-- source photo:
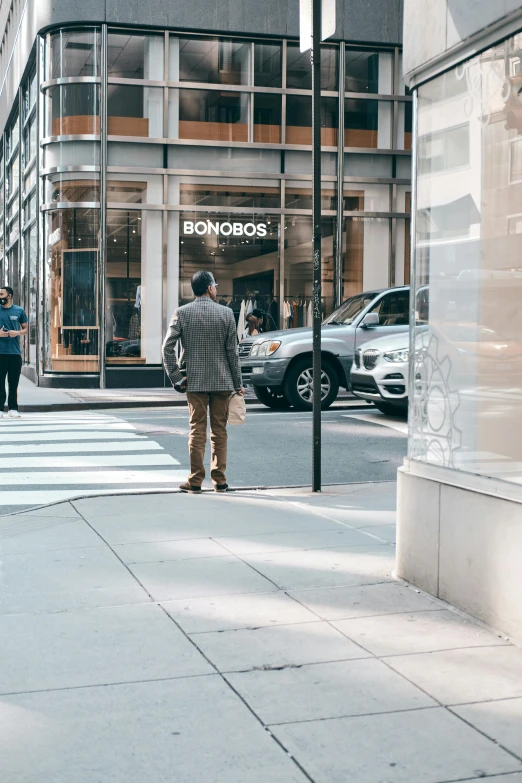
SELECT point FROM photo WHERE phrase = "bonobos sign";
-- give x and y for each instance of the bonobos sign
(225, 229)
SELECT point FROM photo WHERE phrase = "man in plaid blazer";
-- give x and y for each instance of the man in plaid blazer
(208, 370)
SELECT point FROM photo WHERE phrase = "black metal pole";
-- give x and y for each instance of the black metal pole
(316, 220)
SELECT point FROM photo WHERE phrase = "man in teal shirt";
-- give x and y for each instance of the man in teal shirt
(13, 325)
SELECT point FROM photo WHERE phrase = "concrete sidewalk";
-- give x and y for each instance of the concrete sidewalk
(256, 637)
(33, 399)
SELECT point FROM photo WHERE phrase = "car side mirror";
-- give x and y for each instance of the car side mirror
(369, 320)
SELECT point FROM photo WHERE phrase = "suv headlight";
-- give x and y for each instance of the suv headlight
(255, 349)
(268, 347)
(397, 356)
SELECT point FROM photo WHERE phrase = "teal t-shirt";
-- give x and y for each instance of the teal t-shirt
(11, 318)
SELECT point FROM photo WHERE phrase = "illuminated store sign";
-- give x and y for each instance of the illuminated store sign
(225, 229)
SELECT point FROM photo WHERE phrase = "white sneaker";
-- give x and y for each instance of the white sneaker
(14, 415)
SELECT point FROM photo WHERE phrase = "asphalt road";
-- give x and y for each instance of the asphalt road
(50, 457)
(274, 448)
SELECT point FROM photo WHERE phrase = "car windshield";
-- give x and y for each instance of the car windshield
(350, 309)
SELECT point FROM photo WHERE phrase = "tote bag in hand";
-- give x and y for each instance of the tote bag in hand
(237, 409)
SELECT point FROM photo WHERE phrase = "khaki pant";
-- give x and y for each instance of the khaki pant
(217, 403)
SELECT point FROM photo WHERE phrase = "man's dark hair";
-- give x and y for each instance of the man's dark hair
(8, 289)
(201, 282)
(258, 313)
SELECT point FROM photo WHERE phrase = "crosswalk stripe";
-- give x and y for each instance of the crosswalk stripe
(78, 448)
(8, 422)
(109, 427)
(26, 437)
(89, 461)
(52, 458)
(43, 497)
(24, 420)
(91, 477)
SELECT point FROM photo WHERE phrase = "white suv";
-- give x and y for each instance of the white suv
(379, 373)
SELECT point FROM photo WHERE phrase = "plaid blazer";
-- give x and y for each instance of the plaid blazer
(207, 333)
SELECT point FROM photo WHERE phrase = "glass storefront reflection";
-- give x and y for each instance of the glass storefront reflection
(210, 60)
(299, 268)
(133, 56)
(73, 53)
(71, 290)
(134, 111)
(73, 109)
(242, 251)
(133, 286)
(236, 155)
(468, 344)
(208, 115)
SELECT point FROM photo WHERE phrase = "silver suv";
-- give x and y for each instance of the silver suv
(380, 373)
(279, 364)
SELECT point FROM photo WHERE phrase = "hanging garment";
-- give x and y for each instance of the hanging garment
(241, 324)
(300, 314)
(286, 314)
(274, 312)
(249, 307)
(137, 303)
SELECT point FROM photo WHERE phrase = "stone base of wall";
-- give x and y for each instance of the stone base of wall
(462, 546)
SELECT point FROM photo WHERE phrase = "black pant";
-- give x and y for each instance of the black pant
(10, 366)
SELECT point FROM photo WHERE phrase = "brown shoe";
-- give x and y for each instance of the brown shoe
(189, 488)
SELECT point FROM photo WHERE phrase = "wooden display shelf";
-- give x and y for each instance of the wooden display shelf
(75, 364)
(125, 360)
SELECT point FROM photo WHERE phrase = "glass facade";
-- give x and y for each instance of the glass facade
(207, 149)
(467, 368)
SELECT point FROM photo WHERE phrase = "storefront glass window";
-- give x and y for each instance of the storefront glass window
(12, 174)
(299, 70)
(367, 123)
(366, 197)
(267, 64)
(135, 56)
(299, 268)
(72, 187)
(220, 193)
(366, 243)
(242, 251)
(73, 53)
(209, 60)
(134, 111)
(31, 255)
(368, 72)
(267, 118)
(71, 290)
(29, 143)
(362, 71)
(468, 276)
(135, 189)
(134, 287)
(299, 120)
(208, 114)
(298, 195)
(73, 109)
(13, 269)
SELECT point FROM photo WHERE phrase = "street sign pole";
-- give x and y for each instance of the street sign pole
(317, 20)
(316, 220)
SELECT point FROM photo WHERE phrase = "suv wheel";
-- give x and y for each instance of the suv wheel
(299, 382)
(272, 396)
